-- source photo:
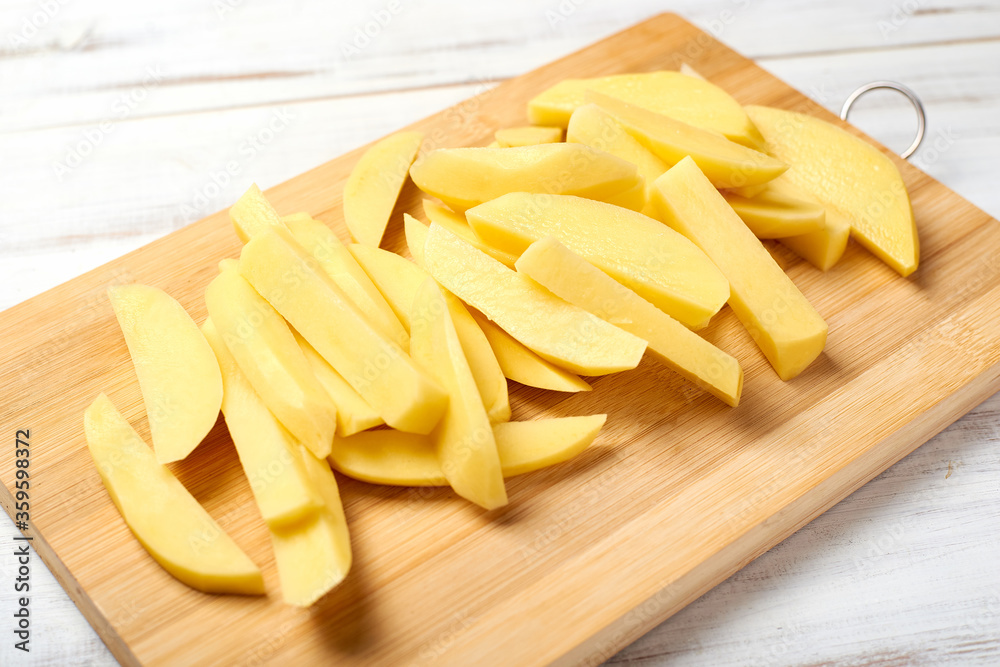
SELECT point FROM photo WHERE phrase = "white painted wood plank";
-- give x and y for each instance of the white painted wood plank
(94, 61)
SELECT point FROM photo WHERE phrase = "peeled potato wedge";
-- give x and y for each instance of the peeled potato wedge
(684, 98)
(463, 440)
(822, 247)
(405, 459)
(376, 367)
(567, 275)
(459, 226)
(565, 334)
(267, 451)
(334, 258)
(315, 555)
(594, 127)
(398, 279)
(166, 519)
(848, 175)
(465, 177)
(725, 163)
(785, 326)
(641, 253)
(520, 364)
(373, 187)
(252, 213)
(178, 375)
(263, 346)
(530, 135)
(353, 412)
(772, 215)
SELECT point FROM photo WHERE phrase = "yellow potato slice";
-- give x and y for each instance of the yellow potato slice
(463, 440)
(465, 177)
(641, 253)
(684, 98)
(531, 135)
(591, 126)
(825, 247)
(772, 215)
(374, 366)
(166, 519)
(459, 226)
(373, 187)
(320, 242)
(353, 412)
(268, 452)
(253, 213)
(849, 176)
(398, 279)
(314, 556)
(271, 360)
(178, 375)
(405, 459)
(725, 163)
(416, 236)
(520, 364)
(566, 335)
(569, 276)
(785, 326)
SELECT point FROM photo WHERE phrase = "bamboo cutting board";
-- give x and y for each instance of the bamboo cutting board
(678, 492)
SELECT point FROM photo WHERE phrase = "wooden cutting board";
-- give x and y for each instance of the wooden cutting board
(678, 492)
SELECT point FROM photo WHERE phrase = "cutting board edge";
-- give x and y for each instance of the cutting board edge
(770, 532)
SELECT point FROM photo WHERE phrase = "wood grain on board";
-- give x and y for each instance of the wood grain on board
(678, 492)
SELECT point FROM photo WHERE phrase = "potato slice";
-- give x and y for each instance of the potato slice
(463, 440)
(459, 226)
(320, 242)
(405, 459)
(169, 523)
(592, 126)
(569, 276)
(785, 326)
(271, 360)
(564, 334)
(268, 453)
(416, 236)
(520, 364)
(822, 247)
(178, 375)
(465, 177)
(314, 556)
(825, 247)
(353, 412)
(641, 253)
(398, 279)
(252, 213)
(772, 215)
(373, 187)
(376, 367)
(850, 176)
(530, 135)
(684, 98)
(725, 163)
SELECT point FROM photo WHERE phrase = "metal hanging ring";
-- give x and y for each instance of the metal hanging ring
(899, 88)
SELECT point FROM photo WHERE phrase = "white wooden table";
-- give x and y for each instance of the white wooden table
(117, 121)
